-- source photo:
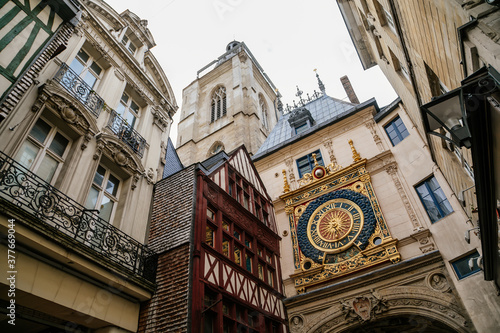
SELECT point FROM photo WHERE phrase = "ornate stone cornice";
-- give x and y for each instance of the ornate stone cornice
(121, 154)
(108, 46)
(68, 108)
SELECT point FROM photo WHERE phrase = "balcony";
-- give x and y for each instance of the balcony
(51, 212)
(126, 133)
(75, 85)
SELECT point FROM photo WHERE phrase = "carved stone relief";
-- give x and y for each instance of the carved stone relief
(370, 124)
(392, 170)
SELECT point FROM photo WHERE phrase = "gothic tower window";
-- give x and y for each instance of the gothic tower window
(218, 104)
(263, 109)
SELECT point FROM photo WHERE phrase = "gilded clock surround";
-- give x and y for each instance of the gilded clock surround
(328, 236)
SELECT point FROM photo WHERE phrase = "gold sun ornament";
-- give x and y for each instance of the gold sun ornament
(335, 225)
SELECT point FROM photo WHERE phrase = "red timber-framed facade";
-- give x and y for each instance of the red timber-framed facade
(233, 273)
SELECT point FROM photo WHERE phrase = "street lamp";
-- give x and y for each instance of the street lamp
(470, 116)
(448, 111)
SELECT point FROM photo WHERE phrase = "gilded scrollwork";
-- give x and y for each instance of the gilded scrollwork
(306, 179)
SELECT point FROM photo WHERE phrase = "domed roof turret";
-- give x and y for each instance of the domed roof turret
(232, 45)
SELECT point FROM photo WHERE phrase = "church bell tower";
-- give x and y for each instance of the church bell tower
(230, 103)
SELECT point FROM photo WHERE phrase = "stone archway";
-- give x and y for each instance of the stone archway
(407, 305)
(402, 323)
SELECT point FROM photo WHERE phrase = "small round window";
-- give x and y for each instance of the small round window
(216, 147)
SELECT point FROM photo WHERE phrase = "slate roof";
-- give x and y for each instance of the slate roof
(324, 110)
(172, 161)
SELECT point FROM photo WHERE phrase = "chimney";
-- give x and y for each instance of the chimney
(348, 89)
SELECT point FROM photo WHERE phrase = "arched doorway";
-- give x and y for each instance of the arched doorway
(407, 324)
(408, 309)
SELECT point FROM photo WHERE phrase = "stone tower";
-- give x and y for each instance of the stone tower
(231, 102)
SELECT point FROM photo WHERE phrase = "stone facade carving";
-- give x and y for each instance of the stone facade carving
(296, 323)
(370, 124)
(375, 305)
(329, 147)
(122, 155)
(392, 170)
(424, 239)
(362, 307)
(438, 282)
(291, 175)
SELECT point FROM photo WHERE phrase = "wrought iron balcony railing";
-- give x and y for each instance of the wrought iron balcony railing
(57, 215)
(126, 133)
(79, 89)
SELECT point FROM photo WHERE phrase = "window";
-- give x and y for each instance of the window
(210, 315)
(301, 128)
(467, 265)
(211, 228)
(85, 66)
(103, 194)
(437, 87)
(389, 20)
(218, 104)
(235, 243)
(396, 131)
(238, 318)
(433, 199)
(129, 45)
(44, 150)
(404, 71)
(265, 267)
(248, 197)
(306, 164)
(463, 161)
(128, 109)
(263, 109)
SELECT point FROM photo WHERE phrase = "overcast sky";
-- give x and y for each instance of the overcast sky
(288, 38)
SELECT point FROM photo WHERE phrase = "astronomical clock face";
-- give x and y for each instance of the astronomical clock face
(335, 225)
(336, 222)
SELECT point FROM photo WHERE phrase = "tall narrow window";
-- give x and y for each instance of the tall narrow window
(435, 202)
(44, 150)
(263, 109)
(85, 66)
(396, 130)
(103, 194)
(128, 109)
(389, 20)
(306, 164)
(218, 106)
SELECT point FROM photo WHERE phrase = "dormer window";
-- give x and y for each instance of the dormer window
(129, 45)
(300, 120)
(301, 128)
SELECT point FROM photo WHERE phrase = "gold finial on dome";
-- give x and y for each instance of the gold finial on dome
(286, 186)
(355, 154)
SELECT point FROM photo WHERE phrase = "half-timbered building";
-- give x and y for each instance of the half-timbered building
(219, 259)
